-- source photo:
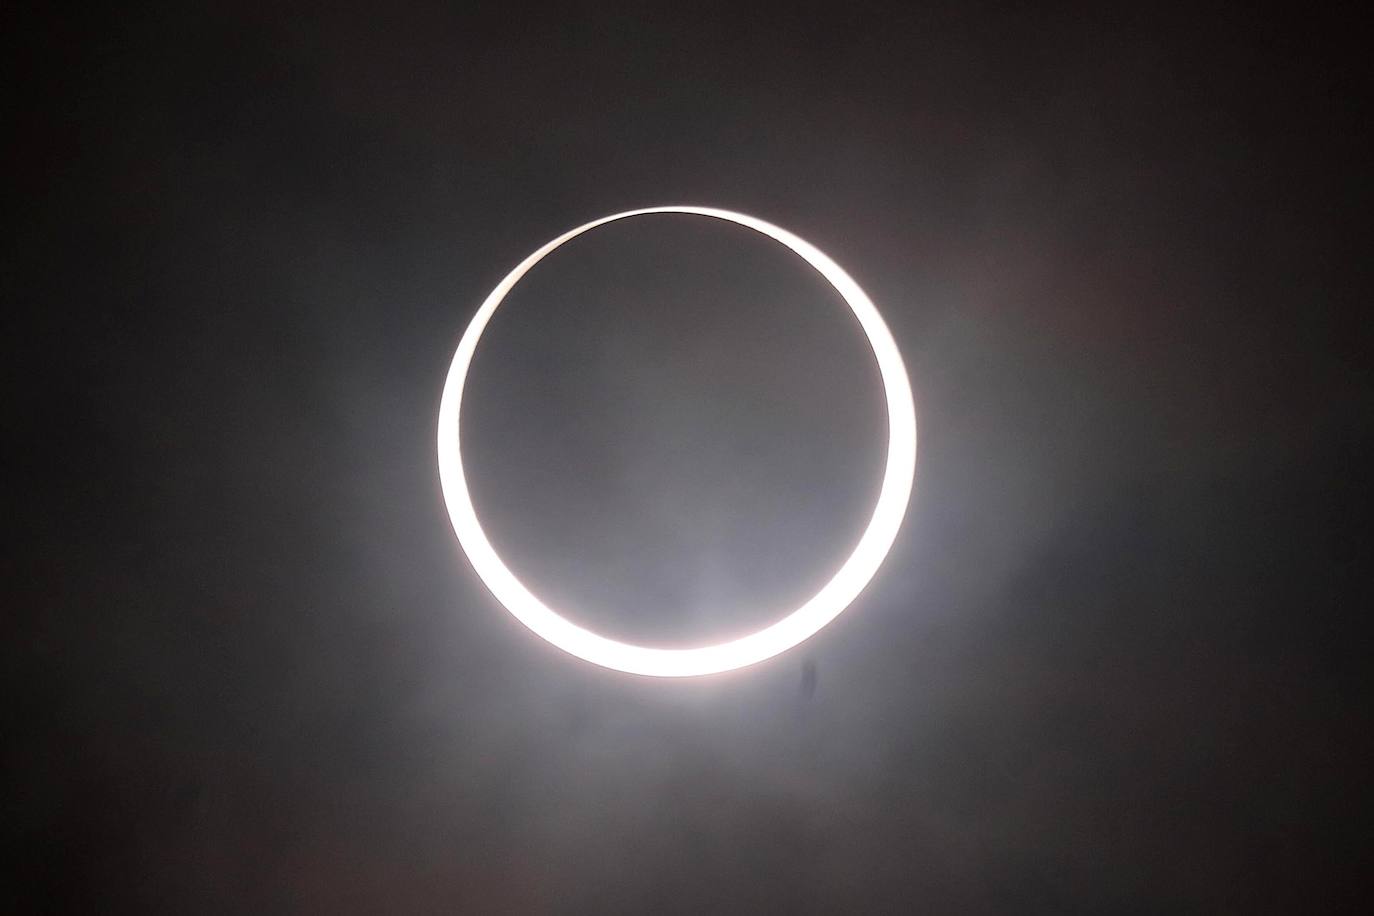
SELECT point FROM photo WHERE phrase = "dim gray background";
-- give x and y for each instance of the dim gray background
(1111, 664)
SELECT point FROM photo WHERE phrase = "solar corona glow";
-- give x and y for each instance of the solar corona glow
(842, 588)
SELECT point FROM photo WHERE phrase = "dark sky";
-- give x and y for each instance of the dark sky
(1110, 665)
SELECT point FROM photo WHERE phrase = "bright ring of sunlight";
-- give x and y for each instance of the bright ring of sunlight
(805, 621)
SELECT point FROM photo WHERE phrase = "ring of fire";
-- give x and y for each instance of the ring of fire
(827, 604)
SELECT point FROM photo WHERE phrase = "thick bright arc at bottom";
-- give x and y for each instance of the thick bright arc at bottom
(827, 604)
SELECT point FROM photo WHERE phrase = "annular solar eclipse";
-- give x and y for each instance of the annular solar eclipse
(841, 589)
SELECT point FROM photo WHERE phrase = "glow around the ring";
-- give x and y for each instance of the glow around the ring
(806, 620)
